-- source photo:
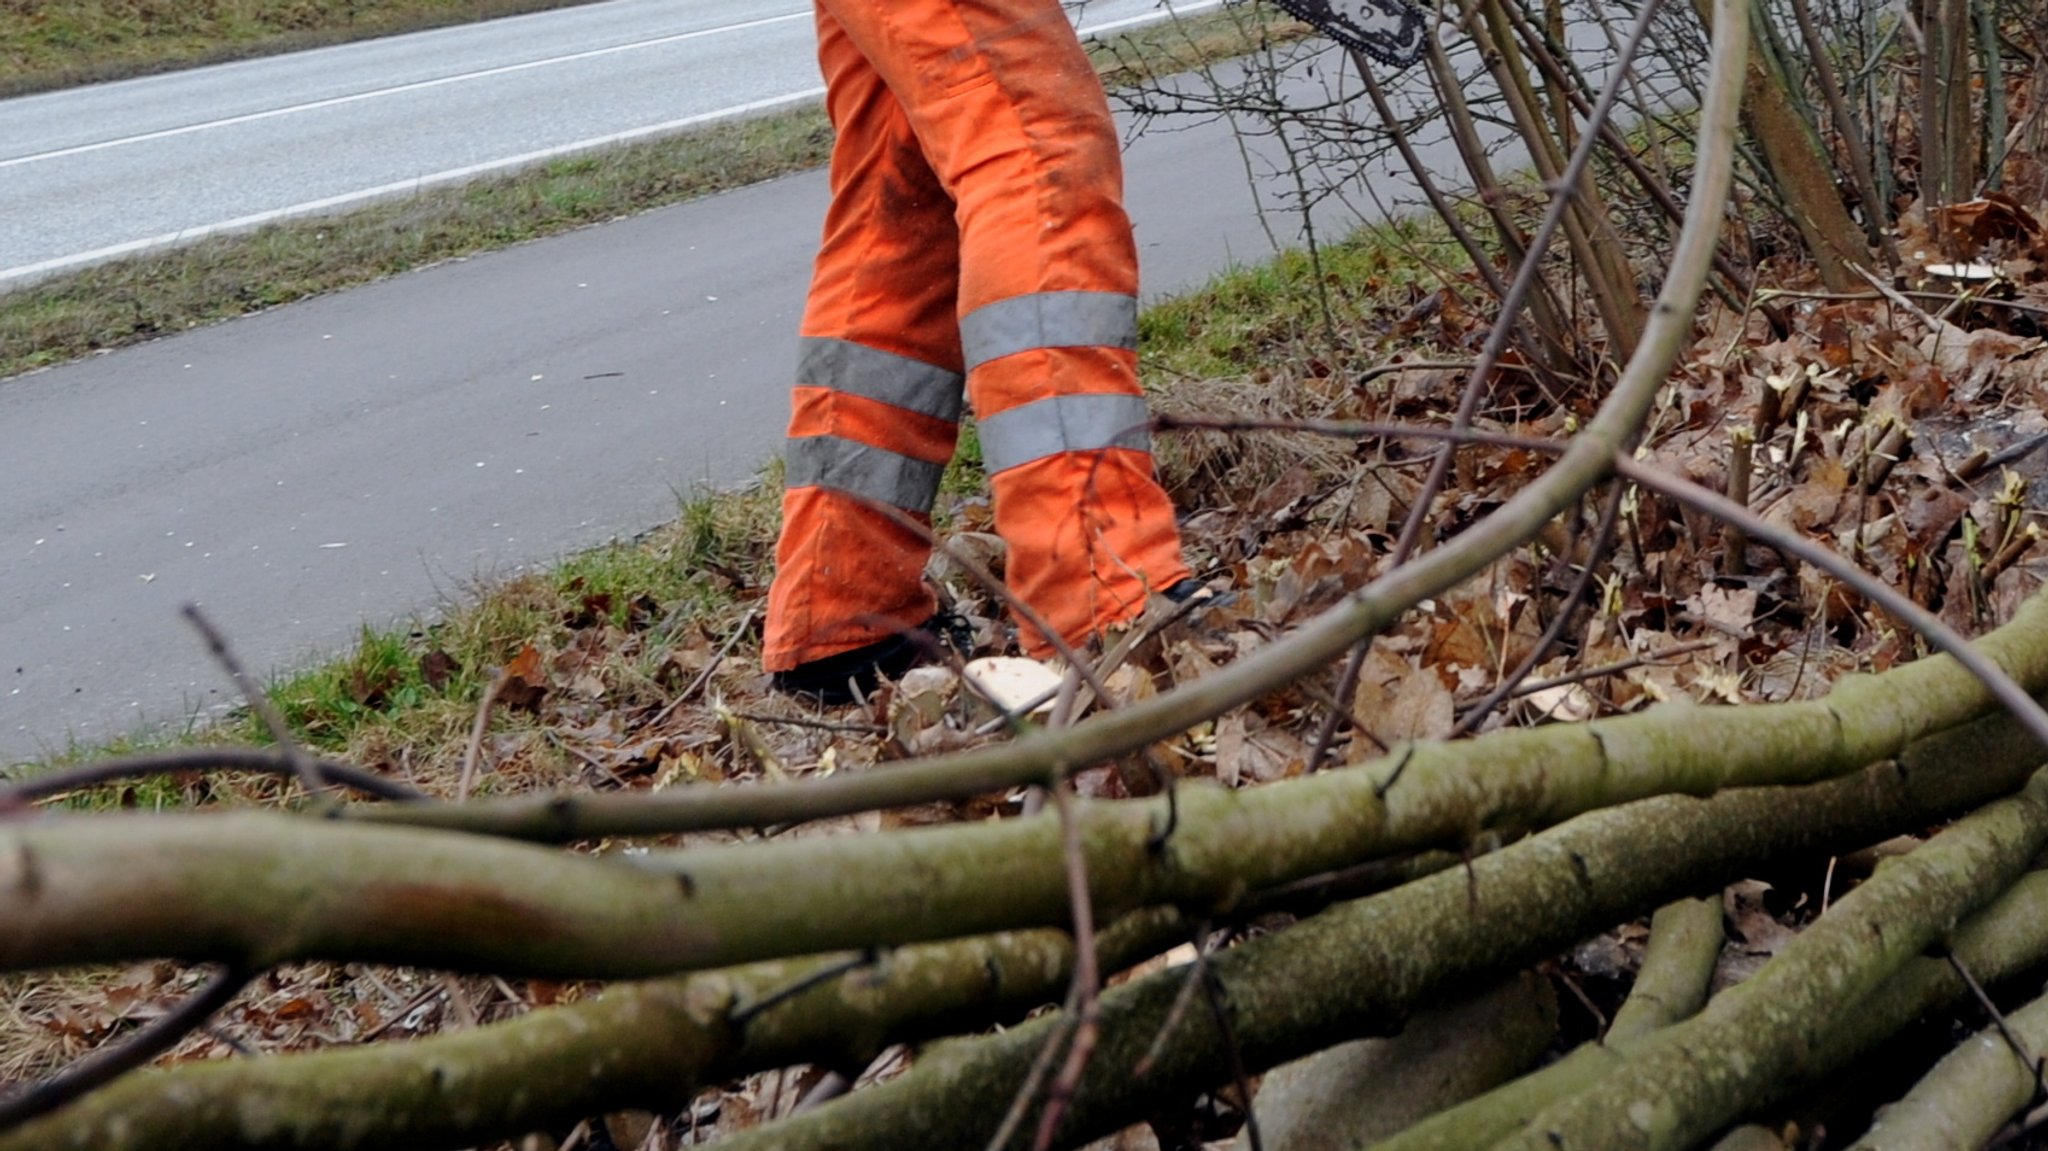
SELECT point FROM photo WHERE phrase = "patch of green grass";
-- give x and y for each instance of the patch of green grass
(46, 44)
(965, 475)
(1145, 54)
(110, 305)
(417, 687)
(1252, 317)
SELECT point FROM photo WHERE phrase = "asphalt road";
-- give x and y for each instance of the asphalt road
(371, 455)
(99, 172)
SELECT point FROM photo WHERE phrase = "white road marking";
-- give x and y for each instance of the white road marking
(400, 187)
(41, 268)
(1171, 11)
(398, 89)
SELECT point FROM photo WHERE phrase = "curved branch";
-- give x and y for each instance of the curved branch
(267, 760)
(234, 887)
(106, 1065)
(273, 720)
(650, 1045)
(1584, 462)
(1587, 460)
(1945, 638)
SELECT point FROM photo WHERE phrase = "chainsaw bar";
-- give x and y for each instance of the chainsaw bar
(1390, 31)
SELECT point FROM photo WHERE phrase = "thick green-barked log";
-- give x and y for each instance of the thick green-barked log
(1370, 962)
(1368, 965)
(1692, 1079)
(254, 889)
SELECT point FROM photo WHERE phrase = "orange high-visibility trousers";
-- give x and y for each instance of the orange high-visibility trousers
(976, 236)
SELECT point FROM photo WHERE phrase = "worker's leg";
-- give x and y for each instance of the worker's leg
(879, 388)
(1012, 118)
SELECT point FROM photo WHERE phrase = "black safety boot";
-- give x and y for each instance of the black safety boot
(850, 675)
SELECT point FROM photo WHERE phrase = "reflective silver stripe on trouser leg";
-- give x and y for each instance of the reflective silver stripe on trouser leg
(851, 466)
(1049, 320)
(899, 381)
(885, 377)
(1056, 424)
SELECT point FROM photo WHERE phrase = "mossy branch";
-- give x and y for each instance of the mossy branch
(251, 889)
(1677, 970)
(1373, 961)
(1971, 1093)
(1360, 1092)
(651, 1045)
(1685, 942)
(1751, 1042)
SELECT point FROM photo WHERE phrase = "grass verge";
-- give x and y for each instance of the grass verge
(49, 44)
(128, 301)
(113, 305)
(404, 699)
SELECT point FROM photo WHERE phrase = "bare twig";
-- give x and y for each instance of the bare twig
(1041, 1066)
(1603, 538)
(1741, 460)
(704, 677)
(1359, 429)
(431, 993)
(269, 761)
(1220, 1009)
(1197, 972)
(148, 1042)
(1389, 369)
(1615, 668)
(2012, 1040)
(1000, 591)
(1087, 990)
(1950, 299)
(1338, 711)
(2024, 707)
(474, 751)
(2010, 454)
(217, 644)
(745, 1013)
(816, 724)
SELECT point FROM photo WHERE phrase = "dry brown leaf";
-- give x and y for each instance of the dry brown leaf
(1420, 708)
(1728, 610)
(525, 684)
(1973, 359)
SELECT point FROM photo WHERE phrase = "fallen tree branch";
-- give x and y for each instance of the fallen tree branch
(1968, 1096)
(1374, 960)
(1040, 759)
(234, 887)
(1368, 1089)
(1371, 961)
(266, 760)
(1751, 1041)
(1677, 970)
(652, 1045)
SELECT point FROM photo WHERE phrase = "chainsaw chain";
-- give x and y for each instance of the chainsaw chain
(1392, 32)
